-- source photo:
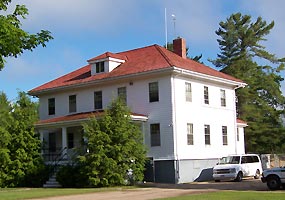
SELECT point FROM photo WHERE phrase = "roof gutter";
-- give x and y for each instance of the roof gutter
(238, 84)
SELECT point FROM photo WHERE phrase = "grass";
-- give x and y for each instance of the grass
(233, 195)
(28, 193)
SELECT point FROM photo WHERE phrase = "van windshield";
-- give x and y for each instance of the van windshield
(230, 160)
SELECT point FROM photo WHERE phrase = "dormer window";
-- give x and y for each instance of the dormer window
(100, 67)
(105, 62)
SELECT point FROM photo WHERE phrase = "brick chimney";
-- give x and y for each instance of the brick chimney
(179, 47)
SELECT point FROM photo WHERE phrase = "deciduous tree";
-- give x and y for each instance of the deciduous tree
(115, 146)
(14, 40)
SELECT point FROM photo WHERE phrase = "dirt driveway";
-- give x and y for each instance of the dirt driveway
(154, 191)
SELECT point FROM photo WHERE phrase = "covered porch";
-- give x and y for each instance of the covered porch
(63, 137)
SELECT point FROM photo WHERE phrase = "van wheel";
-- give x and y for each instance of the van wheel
(273, 182)
(257, 174)
(239, 177)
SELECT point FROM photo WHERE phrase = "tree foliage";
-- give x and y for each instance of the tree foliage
(20, 146)
(261, 102)
(14, 40)
(115, 146)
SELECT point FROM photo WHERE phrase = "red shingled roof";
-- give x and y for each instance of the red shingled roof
(137, 61)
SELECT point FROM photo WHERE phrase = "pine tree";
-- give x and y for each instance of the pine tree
(5, 139)
(261, 102)
(115, 146)
(20, 146)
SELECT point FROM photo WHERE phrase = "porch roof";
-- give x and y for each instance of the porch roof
(241, 123)
(80, 117)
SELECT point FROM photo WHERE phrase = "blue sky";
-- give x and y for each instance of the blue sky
(83, 29)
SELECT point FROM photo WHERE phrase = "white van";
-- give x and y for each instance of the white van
(235, 167)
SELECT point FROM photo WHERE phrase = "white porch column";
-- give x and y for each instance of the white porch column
(42, 141)
(64, 141)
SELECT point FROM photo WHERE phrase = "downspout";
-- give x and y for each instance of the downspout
(174, 125)
(174, 129)
(235, 115)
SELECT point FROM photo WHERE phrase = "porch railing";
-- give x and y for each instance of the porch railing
(51, 154)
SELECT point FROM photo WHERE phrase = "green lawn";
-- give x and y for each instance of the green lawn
(234, 195)
(27, 193)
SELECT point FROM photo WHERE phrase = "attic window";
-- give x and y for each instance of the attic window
(100, 67)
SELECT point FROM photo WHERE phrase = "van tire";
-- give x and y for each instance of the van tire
(239, 177)
(257, 174)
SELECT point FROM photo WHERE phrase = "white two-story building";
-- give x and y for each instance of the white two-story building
(187, 110)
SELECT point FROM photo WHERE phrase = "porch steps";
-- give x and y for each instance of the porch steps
(52, 183)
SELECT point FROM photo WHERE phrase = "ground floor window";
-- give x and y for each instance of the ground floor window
(155, 135)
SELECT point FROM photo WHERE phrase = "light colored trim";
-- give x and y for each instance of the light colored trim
(100, 81)
(208, 77)
(242, 125)
(80, 121)
(107, 59)
(139, 118)
(163, 70)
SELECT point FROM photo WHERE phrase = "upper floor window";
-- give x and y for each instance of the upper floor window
(100, 67)
(190, 138)
(206, 95)
(51, 106)
(153, 92)
(72, 103)
(225, 135)
(155, 135)
(207, 134)
(98, 100)
(188, 92)
(122, 94)
(223, 98)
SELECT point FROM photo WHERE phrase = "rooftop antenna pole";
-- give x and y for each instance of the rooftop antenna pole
(165, 26)
(174, 19)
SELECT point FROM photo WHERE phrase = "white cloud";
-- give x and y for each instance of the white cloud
(79, 16)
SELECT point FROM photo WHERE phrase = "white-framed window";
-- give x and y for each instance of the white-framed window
(72, 103)
(188, 92)
(206, 95)
(122, 94)
(100, 67)
(98, 103)
(190, 135)
(155, 135)
(225, 135)
(51, 106)
(207, 134)
(153, 92)
(223, 98)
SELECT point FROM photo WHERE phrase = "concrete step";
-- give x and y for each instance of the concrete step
(52, 183)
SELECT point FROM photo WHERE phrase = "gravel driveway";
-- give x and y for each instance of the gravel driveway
(154, 191)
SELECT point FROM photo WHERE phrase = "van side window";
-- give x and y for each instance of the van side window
(243, 160)
(255, 159)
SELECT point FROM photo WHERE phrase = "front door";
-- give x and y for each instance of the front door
(52, 142)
